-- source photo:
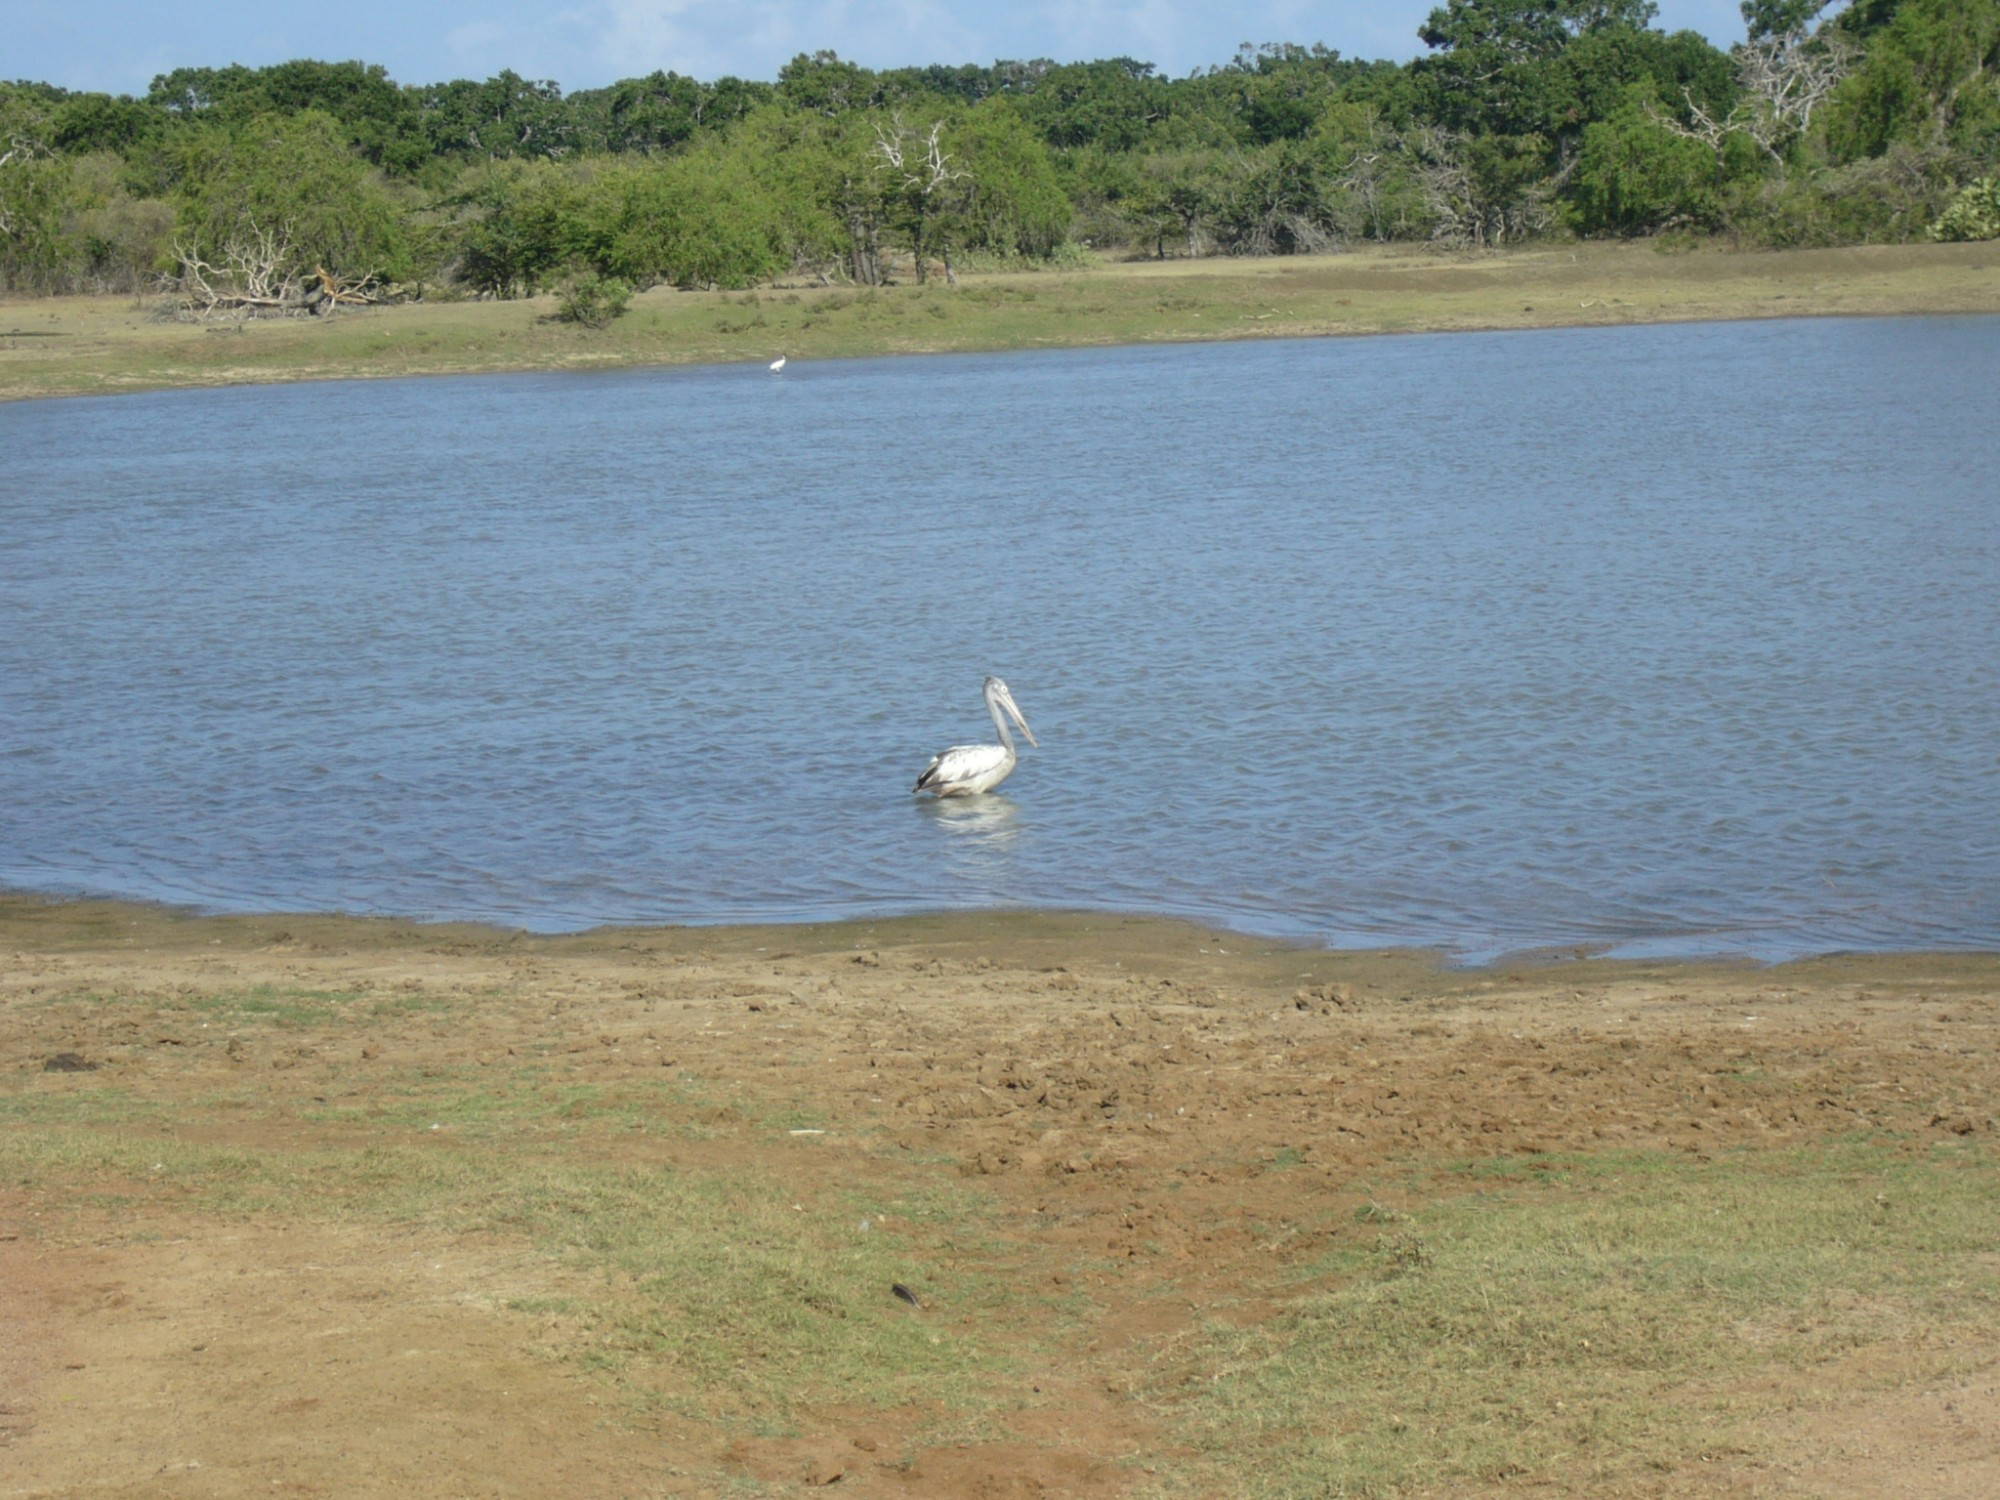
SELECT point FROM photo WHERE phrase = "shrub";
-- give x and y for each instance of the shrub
(1973, 215)
(592, 300)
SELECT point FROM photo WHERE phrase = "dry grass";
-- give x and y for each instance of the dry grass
(1598, 1321)
(68, 346)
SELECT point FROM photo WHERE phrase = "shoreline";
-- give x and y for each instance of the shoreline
(114, 344)
(1124, 935)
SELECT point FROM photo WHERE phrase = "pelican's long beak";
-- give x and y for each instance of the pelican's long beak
(1021, 723)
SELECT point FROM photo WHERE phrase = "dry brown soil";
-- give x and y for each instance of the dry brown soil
(1121, 1086)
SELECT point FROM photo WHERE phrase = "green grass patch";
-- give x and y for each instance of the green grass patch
(1598, 1321)
(522, 1105)
(731, 1295)
(280, 1006)
(269, 1005)
(97, 1104)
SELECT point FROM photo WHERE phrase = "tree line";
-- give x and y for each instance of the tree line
(1525, 118)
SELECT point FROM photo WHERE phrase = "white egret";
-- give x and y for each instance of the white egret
(777, 364)
(965, 769)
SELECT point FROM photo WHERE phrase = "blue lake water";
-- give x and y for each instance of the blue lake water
(1672, 640)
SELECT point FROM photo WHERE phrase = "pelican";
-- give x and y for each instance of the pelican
(965, 769)
(777, 364)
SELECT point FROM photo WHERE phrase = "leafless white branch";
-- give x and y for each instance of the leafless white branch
(20, 148)
(1784, 80)
(922, 163)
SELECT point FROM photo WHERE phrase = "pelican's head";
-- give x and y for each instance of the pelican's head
(997, 693)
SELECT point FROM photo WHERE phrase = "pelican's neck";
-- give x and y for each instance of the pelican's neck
(999, 720)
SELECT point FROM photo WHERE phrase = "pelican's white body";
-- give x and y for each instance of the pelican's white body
(965, 770)
(777, 364)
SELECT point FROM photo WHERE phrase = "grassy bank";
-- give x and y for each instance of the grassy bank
(70, 346)
(335, 1206)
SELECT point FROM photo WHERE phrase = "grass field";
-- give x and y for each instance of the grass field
(69, 346)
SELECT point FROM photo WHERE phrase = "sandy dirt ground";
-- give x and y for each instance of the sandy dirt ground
(1120, 1086)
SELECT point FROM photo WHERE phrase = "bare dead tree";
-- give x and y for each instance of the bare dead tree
(248, 275)
(1468, 213)
(923, 175)
(1784, 80)
(253, 275)
(1277, 228)
(1369, 174)
(1446, 185)
(1789, 77)
(1463, 214)
(1535, 211)
(20, 150)
(1363, 181)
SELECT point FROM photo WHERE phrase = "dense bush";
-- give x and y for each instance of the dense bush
(1974, 214)
(590, 300)
(1634, 175)
(295, 177)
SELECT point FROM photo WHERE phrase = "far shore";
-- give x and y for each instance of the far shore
(66, 346)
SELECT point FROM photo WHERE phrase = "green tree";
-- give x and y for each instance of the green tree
(592, 301)
(1930, 77)
(1278, 91)
(1013, 202)
(1532, 67)
(1522, 29)
(1634, 174)
(825, 84)
(731, 99)
(192, 92)
(1765, 19)
(821, 192)
(118, 240)
(34, 190)
(650, 114)
(514, 225)
(507, 115)
(294, 177)
(98, 122)
(700, 219)
(1177, 196)
(1110, 104)
(379, 119)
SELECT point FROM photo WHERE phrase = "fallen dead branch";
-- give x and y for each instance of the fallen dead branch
(252, 276)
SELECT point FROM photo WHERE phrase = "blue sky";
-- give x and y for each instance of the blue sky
(119, 45)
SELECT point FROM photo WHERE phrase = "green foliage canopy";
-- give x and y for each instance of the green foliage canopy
(292, 176)
(1526, 116)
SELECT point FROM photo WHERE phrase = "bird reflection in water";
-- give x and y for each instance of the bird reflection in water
(988, 822)
(976, 847)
